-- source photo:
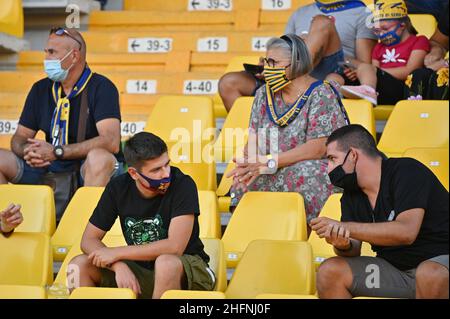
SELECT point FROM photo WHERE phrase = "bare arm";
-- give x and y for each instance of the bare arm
(364, 48)
(439, 47)
(108, 139)
(92, 239)
(180, 231)
(355, 250)
(19, 140)
(415, 62)
(311, 150)
(402, 231)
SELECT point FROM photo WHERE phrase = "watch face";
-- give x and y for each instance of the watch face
(271, 164)
(59, 151)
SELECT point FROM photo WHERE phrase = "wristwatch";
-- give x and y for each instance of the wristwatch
(271, 163)
(58, 151)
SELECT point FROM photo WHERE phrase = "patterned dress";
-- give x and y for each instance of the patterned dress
(320, 116)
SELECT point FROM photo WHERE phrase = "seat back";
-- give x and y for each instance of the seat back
(26, 259)
(274, 267)
(74, 220)
(38, 206)
(264, 215)
(361, 112)
(436, 159)
(102, 293)
(22, 292)
(214, 249)
(209, 219)
(416, 124)
(234, 132)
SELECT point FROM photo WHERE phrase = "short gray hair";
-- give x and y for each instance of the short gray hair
(296, 49)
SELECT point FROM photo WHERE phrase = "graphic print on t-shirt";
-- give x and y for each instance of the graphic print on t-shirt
(392, 56)
(140, 232)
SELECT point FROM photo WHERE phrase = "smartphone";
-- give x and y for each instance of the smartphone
(253, 68)
(346, 64)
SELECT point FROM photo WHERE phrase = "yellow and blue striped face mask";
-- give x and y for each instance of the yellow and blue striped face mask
(276, 78)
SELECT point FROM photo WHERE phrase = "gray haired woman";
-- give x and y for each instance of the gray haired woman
(292, 116)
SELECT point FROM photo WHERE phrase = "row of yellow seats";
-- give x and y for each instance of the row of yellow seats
(150, 41)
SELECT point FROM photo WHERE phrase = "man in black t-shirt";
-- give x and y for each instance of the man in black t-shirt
(158, 210)
(53, 106)
(398, 206)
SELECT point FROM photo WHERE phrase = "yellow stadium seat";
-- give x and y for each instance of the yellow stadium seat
(102, 293)
(38, 206)
(204, 174)
(275, 267)
(383, 112)
(280, 296)
(26, 260)
(190, 294)
(19, 81)
(74, 220)
(264, 215)
(59, 288)
(234, 131)
(224, 188)
(236, 64)
(22, 292)
(361, 112)
(187, 119)
(160, 21)
(215, 250)
(425, 24)
(416, 124)
(209, 219)
(436, 159)
(321, 249)
(11, 18)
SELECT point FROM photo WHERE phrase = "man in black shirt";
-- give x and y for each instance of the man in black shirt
(398, 206)
(158, 209)
(53, 106)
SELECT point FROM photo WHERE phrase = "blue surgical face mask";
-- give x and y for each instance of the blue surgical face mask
(157, 185)
(54, 70)
(391, 38)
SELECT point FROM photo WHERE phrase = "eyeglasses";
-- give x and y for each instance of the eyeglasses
(272, 63)
(379, 31)
(60, 31)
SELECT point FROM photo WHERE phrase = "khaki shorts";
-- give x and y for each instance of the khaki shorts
(198, 276)
(375, 277)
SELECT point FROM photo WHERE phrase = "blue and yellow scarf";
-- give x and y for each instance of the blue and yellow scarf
(290, 115)
(60, 120)
(336, 6)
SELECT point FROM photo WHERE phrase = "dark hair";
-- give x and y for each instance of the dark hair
(143, 147)
(409, 26)
(355, 136)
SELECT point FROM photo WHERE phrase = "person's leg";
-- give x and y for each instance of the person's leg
(432, 280)
(169, 275)
(8, 166)
(233, 85)
(98, 167)
(81, 273)
(322, 39)
(368, 77)
(336, 78)
(334, 279)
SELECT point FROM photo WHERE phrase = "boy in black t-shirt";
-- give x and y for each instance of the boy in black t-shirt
(398, 206)
(158, 210)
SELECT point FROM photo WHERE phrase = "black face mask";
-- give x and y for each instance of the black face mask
(340, 178)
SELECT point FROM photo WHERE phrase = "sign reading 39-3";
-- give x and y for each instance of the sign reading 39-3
(149, 45)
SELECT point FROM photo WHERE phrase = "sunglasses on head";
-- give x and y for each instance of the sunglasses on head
(60, 31)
